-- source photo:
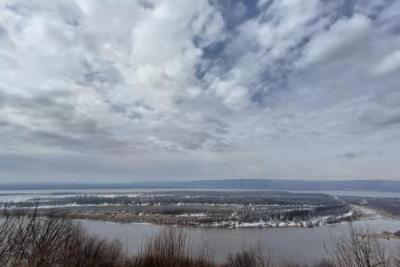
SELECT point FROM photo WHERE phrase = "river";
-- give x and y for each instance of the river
(290, 244)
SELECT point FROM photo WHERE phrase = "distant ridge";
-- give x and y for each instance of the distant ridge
(245, 184)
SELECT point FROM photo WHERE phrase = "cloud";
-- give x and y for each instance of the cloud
(349, 155)
(198, 89)
(388, 64)
(341, 39)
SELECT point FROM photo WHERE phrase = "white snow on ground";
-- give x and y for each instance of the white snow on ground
(316, 221)
(7, 198)
(368, 213)
(364, 210)
(109, 195)
(192, 215)
(348, 214)
(64, 206)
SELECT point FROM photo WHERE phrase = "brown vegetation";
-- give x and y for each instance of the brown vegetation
(27, 239)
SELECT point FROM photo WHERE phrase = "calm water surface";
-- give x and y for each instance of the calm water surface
(290, 244)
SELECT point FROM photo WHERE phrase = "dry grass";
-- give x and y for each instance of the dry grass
(168, 249)
(250, 257)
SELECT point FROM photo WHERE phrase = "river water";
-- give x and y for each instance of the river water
(289, 244)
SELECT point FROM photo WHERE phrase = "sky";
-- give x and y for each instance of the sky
(122, 91)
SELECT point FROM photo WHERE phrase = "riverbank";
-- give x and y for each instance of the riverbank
(282, 243)
(204, 221)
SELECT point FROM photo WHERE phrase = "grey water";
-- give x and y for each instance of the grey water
(289, 244)
(283, 244)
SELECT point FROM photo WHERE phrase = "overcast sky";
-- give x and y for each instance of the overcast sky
(106, 90)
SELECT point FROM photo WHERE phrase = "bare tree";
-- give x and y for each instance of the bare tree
(49, 239)
(251, 257)
(360, 249)
(27, 239)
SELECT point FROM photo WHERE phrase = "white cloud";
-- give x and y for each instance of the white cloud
(234, 95)
(388, 64)
(342, 39)
(177, 89)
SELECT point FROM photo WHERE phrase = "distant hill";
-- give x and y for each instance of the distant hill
(250, 184)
